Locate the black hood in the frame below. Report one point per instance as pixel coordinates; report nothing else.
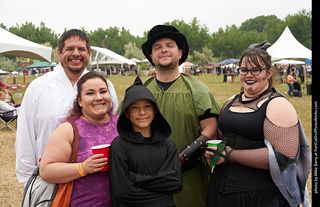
(160, 128)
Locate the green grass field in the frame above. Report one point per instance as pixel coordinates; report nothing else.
(11, 191)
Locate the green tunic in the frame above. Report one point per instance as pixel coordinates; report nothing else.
(182, 104)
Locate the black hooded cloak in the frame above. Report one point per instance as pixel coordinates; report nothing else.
(143, 171)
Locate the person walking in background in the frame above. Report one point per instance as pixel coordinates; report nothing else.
(301, 74)
(290, 82)
(218, 70)
(225, 74)
(144, 163)
(92, 115)
(284, 77)
(187, 104)
(48, 99)
(267, 159)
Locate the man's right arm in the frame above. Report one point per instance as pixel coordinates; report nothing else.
(26, 138)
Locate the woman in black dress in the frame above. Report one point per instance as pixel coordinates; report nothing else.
(267, 159)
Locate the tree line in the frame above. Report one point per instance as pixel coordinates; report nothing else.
(204, 46)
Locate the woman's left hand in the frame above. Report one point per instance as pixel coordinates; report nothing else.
(209, 154)
(94, 164)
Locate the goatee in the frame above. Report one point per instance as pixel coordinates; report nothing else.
(167, 67)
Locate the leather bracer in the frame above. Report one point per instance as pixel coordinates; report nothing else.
(193, 151)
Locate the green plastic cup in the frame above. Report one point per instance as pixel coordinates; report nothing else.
(213, 143)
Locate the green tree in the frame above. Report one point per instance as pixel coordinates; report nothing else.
(98, 37)
(3, 26)
(196, 34)
(11, 63)
(258, 23)
(35, 34)
(204, 57)
(301, 27)
(232, 41)
(112, 38)
(132, 51)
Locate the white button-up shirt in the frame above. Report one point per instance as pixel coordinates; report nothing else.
(46, 103)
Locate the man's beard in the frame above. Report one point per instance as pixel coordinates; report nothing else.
(167, 67)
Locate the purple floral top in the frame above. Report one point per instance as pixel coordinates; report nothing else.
(93, 190)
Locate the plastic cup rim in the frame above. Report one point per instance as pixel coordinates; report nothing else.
(101, 146)
(214, 141)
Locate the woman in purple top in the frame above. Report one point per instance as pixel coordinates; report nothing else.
(91, 114)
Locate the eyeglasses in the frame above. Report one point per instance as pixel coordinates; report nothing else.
(254, 71)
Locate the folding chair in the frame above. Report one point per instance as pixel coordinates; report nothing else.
(7, 118)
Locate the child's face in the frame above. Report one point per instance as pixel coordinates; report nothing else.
(141, 114)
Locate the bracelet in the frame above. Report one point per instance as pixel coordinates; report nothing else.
(80, 169)
(228, 154)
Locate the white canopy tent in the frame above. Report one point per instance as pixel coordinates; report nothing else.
(292, 62)
(11, 44)
(136, 60)
(104, 56)
(287, 47)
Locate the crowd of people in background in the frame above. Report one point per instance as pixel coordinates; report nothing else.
(297, 72)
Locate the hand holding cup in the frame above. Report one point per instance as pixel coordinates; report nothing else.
(94, 164)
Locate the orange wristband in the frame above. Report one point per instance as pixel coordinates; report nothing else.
(80, 169)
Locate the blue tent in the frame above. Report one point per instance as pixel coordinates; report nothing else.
(228, 61)
(308, 60)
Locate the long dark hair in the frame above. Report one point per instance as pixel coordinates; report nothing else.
(76, 111)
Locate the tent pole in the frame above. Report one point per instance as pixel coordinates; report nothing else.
(305, 79)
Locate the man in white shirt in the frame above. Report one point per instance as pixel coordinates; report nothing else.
(48, 100)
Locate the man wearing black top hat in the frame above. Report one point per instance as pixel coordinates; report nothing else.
(187, 104)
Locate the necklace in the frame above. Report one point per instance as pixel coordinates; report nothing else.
(251, 97)
(105, 128)
(258, 96)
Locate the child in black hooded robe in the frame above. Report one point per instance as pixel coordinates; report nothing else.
(144, 170)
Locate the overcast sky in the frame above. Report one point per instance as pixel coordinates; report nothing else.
(141, 15)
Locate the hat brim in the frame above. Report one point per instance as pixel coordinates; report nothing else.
(179, 38)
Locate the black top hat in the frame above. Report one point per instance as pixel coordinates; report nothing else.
(165, 31)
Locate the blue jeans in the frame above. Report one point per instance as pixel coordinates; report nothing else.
(290, 89)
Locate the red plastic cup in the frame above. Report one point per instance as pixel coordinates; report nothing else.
(102, 149)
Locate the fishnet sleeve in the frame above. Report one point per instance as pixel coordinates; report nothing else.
(285, 140)
(256, 158)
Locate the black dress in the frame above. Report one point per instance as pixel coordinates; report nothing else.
(242, 124)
